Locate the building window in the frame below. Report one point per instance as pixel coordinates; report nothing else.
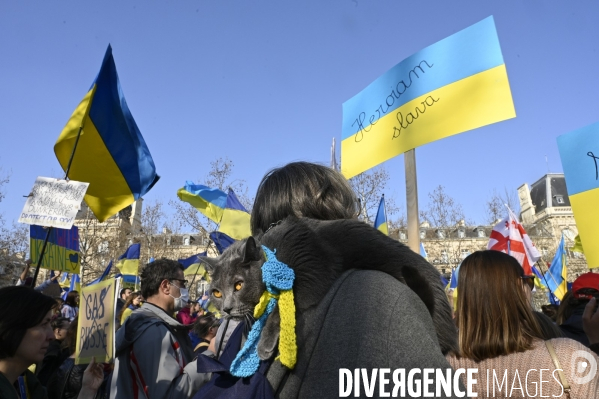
(481, 233)
(461, 233)
(186, 240)
(440, 234)
(544, 251)
(465, 253)
(444, 257)
(103, 247)
(402, 235)
(422, 234)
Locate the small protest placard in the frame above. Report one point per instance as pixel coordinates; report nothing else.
(62, 249)
(95, 335)
(53, 202)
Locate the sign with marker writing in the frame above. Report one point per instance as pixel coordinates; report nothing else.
(452, 86)
(579, 152)
(95, 337)
(53, 202)
(62, 250)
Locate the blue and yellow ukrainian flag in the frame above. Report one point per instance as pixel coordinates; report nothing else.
(74, 284)
(457, 84)
(380, 222)
(62, 250)
(210, 201)
(579, 152)
(193, 265)
(556, 276)
(111, 153)
(128, 263)
(236, 220)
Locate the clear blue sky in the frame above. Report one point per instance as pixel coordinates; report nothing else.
(262, 83)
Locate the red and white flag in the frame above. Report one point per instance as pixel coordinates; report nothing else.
(510, 237)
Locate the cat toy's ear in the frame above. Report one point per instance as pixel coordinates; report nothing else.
(206, 261)
(269, 338)
(252, 251)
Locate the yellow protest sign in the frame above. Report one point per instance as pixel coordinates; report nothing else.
(457, 84)
(95, 335)
(578, 151)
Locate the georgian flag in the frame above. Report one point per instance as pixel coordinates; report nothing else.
(510, 237)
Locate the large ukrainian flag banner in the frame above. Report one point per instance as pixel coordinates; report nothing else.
(579, 152)
(452, 86)
(62, 250)
(111, 154)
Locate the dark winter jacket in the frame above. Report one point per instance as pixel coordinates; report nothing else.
(572, 328)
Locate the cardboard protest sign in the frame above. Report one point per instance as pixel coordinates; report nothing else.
(96, 323)
(53, 202)
(579, 152)
(457, 84)
(62, 250)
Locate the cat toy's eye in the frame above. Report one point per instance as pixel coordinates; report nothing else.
(238, 285)
(216, 293)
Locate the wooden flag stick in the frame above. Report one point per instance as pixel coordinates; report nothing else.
(412, 200)
(66, 175)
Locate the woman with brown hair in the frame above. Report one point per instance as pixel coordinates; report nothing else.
(133, 302)
(500, 336)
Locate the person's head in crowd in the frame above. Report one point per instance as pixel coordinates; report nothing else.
(585, 287)
(25, 330)
(163, 284)
(70, 340)
(494, 314)
(206, 326)
(72, 299)
(197, 309)
(60, 326)
(302, 189)
(550, 310)
(133, 301)
(125, 292)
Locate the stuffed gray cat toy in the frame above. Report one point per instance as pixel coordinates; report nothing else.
(319, 252)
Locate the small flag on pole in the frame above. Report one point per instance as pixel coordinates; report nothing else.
(380, 222)
(510, 237)
(128, 263)
(556, 276)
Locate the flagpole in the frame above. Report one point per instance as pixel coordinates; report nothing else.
(412, 200)
(43, 251)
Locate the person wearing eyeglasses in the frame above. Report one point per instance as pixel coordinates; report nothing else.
(154, 356)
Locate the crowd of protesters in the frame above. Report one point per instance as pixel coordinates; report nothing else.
(164, 339)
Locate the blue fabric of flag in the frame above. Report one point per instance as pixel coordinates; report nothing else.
(131, 279)
(221, 240)
(423, 251)
(104, 275)
(454, 278)
(192, 260)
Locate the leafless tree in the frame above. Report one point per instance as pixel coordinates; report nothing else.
(495, 205)
(369, 188)
(447, 219)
